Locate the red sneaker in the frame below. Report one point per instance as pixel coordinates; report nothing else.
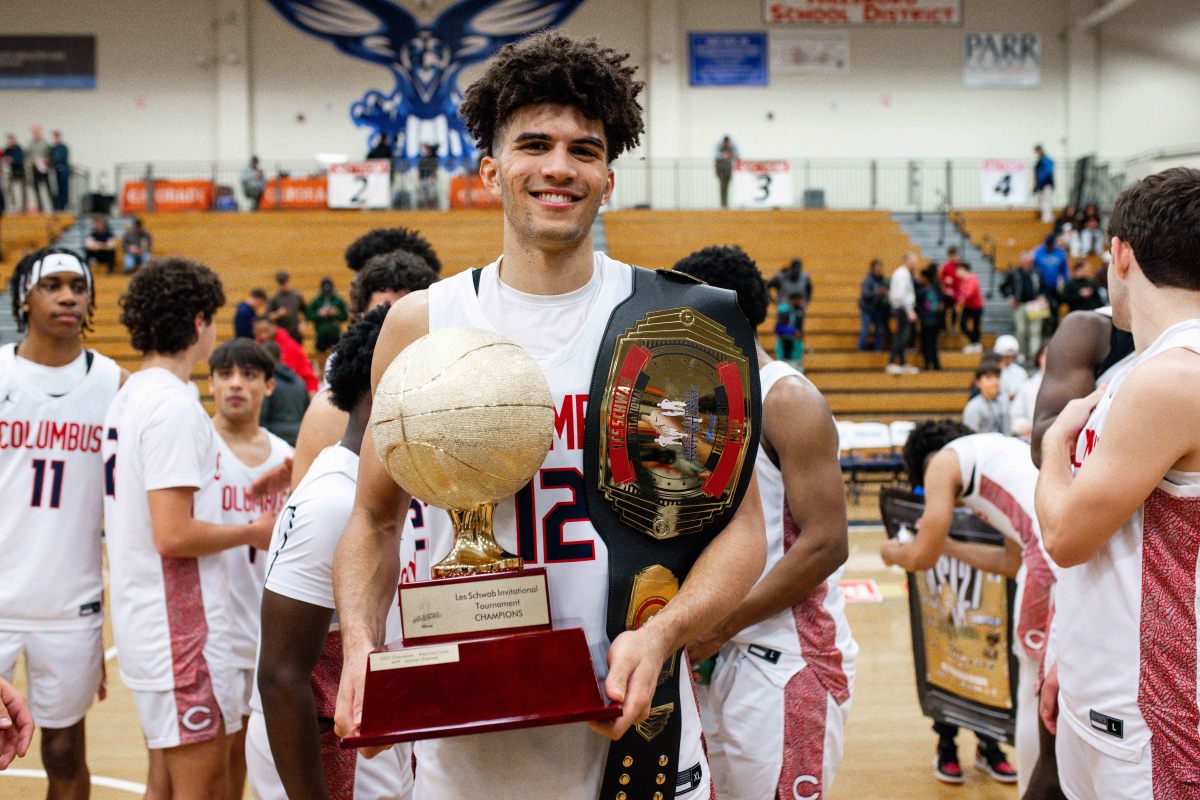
(995, 764)
(946, 767)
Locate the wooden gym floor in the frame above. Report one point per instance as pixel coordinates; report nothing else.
(888, 747)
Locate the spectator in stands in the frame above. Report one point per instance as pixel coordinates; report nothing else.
(1089, 240)
(327, 312)
(727, 156)
(789, 321)
(427, 176)
(902, 299)
(247, 311)
(1023, 288)
(387, 277)
(286, 308)
(291, 354)
(37, 154)
(101, 245)
(284, 408)
(929, 314)
(872, 306)
(1051, 263)
(969, 300)
(60, 164)
(253, 182)
(948, 278)
(987, 411)
(1082, 293)
(1043, 183)
(1012, 374)
(1069, 216)
(382, 148)
(136, 243)
(1020, 414)
(14, 157)
(793, 283)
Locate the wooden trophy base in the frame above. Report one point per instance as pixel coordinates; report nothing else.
(479, 685)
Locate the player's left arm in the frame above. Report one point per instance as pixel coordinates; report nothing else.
(720, 578)
(1151, 428)
(943, 483)
(805, 442)
(1004, 560)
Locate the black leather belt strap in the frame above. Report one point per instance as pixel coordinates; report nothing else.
(645, 571)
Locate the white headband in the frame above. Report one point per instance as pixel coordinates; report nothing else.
(50, 264)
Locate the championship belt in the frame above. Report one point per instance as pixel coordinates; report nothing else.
(672, 432)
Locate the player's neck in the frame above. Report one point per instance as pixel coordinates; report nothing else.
(244, 431)
(764, 358)
(356, 429)
(1153, 312)
(48, 351)
(178, 364)
(536, 270)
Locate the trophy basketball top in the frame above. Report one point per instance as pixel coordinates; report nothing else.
(462, 417)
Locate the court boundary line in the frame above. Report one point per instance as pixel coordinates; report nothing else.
(97, 780)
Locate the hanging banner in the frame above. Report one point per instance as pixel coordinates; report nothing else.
(168, 196)
(468, 191)
(763, 184)
(863, 12)
(727, 59)
(47, 62)
(295, 193)
(1004, 182)
(362, 184)
(962, 630)
(805, 52)
(1002, 60)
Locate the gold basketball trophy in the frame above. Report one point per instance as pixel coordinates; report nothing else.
(462, 419)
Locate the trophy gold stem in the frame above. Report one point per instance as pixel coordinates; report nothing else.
(475, 551)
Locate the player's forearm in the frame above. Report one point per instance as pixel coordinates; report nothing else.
(1050, 500)
(193, 538)
(366, 569)
(293, 731)
(987, 557)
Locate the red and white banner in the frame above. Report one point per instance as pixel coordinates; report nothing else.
(763, 184)
(294, 193)
(1004, 182)
(363, 184)
(863, 12)
(168, 196)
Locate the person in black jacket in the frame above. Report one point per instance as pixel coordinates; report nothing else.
(1082, 293)
(1023, 288)
(929, 314)
(285, 407)
(872, 300)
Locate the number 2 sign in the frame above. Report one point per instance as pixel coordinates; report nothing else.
(363, 184)
(1004, 182)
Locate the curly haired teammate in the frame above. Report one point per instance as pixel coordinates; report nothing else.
(780, 691)
(1118, 497)
(551, 114)
(53, 395)
(168, 579)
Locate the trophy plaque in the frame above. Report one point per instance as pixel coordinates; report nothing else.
(462, 419)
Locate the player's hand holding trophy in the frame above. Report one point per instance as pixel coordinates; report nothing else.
(462, 419)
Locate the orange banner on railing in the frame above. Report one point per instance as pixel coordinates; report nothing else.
(468, 191)
(295, 193)
(168, 196)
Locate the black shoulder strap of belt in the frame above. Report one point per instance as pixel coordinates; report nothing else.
(644, 764)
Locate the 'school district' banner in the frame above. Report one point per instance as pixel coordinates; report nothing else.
(863, 12)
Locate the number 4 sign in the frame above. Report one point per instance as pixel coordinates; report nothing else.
(1004, 182)
(364, 184)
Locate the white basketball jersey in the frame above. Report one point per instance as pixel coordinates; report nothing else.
(51, 490)
(1125, 624)
(170, 614)
(227, 496)
(999, 479)
(547, 524)
(814, 632)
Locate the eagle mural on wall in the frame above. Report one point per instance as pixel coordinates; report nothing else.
(425, 60)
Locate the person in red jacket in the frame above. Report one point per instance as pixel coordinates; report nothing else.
(290, 353)
(969, 300)
(948, 278)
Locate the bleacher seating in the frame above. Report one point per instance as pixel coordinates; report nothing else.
(21, 233)
(1002, 235)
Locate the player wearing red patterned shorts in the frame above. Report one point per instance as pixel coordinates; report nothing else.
(53, 395)
(780, 691)
(240, 380)
(168, 578)
(1118, 498)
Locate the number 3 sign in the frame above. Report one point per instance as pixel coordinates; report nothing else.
(359, 185)
(763, 184)
(1004, 182)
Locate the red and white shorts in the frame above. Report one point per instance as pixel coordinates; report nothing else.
(767, 741)
(64, 668)
(196, 712)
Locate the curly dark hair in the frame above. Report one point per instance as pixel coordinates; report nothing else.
(350, 365)
(1159, 217)
(16, 285)
(551, 68)
(389, 272)
(387, 240)
(162, 300)
(925, 440)
(730, 268)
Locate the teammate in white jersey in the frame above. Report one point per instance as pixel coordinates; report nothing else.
(551, 114)
(53, 395)
(291, 746)
(240, 379)
(168, 579)
(780, 690)
(1118, 498)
